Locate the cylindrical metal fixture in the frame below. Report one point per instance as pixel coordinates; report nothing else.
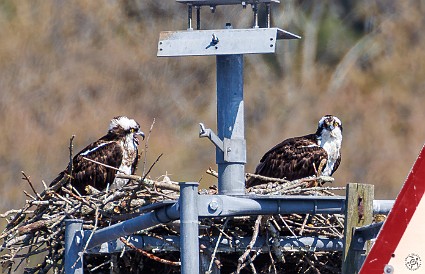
(189, 235)
(162, 215)
(73, 246)
(230, 125)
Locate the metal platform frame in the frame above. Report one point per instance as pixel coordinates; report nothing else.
(229, 46)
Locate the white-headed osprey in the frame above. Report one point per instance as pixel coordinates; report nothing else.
(118, 149)
(300, 157)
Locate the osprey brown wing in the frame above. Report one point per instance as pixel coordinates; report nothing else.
(98, 163)
(89, 173)
(292, 159)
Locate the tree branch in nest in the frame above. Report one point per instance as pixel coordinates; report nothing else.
(149, 255)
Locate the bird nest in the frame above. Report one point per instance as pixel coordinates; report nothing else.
(33, 238)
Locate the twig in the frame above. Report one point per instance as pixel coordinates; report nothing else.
(286, 225)
(27, 178)
(170, 186)
(304, 223)
(212, 172)
(266, 179)
(102, 164)
(150, 168)
(272, 263)
(96, 216)
(71, 146)
(149, 255)
(251, 264)
(275, 242)
(256, 229)
(99, 266)
(36, 226)
(15, 211)
(216, 246)
(146, 148)
(311, 264)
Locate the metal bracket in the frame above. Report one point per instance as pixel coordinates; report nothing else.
(234, 150)
(207, 132)
(362, 234)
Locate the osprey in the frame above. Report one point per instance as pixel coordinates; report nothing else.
(300, 157)
(115, 153)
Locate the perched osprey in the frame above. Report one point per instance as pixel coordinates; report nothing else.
(300, 157)
(117, 149)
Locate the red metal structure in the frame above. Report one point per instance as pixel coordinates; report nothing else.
(399, 247)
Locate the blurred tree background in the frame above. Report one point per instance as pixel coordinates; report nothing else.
(68, 67)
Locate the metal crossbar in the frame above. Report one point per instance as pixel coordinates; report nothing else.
(170, 243)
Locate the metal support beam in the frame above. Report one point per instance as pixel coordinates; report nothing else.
(189, 240)
(158, 216)
(223, 205)
(230, 125)
(220, 205)
(382, 206)
(73, 246)
(171, 243)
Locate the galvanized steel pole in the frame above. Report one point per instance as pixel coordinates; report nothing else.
(73, 246)
(230, 125)
(189, 235)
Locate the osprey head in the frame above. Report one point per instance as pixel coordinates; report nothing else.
(121, 126)
(330, 124)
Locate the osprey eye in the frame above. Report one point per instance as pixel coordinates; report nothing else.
(132, 130)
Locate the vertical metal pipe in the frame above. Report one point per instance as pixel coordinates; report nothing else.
(230, 124)
(73, 246)
(189, 235)
(255, 10)
(198, 17)
(268, 10)
(189, 17)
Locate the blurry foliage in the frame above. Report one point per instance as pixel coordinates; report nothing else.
(68, 67)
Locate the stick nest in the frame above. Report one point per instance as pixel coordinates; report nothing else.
(33, 238)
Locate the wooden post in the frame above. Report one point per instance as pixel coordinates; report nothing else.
(358, 212)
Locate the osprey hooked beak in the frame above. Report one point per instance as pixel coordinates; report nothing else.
(332, 126)
(140, 133)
